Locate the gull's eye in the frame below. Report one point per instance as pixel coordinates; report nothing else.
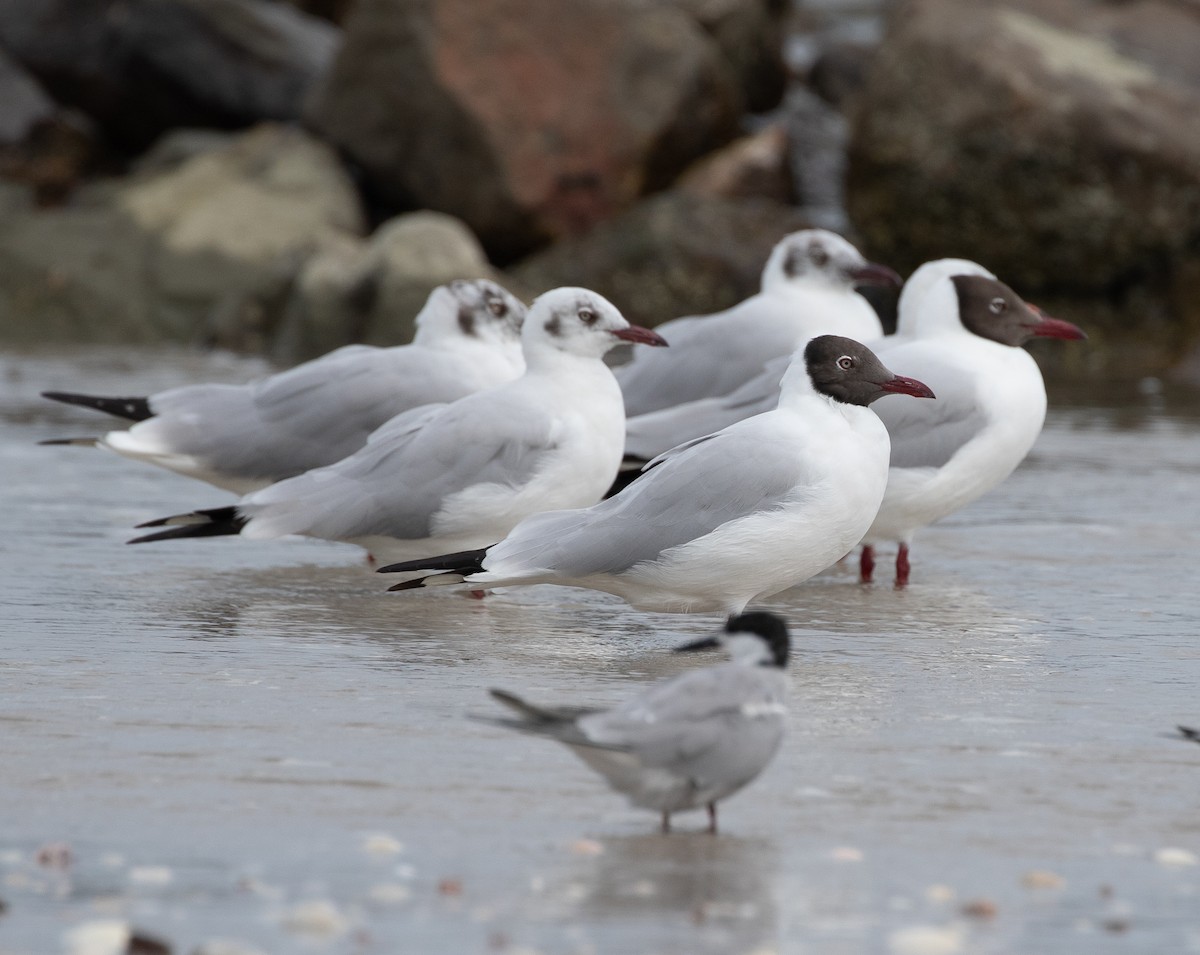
(845, 362)
(497, 307)
(818, 256)
(588, 316)
(997, 306)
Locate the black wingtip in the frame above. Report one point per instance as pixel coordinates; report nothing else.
(463, 562)
(408, 584)
(132, 409)
(214, 522)
(1189, 733)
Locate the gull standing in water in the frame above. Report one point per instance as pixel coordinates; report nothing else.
(961, 331)
(747, 512)
(807, 290)
(243, 437)
(462, 474)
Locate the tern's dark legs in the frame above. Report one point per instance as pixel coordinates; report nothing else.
(712, 818)
(902, 566)
(666, 822)
(866, 564)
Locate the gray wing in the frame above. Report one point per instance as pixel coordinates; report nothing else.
(681, 719)
(395, 484)
(649, 435)
(310, 416)
(718, 479)
(927, 434)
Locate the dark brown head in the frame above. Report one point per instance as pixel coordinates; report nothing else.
(849, 372)
(992, 310)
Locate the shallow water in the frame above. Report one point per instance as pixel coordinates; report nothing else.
(253, 741)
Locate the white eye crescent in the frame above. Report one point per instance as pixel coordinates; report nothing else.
(997, 306)
(497, 307)
(588, 316)
(845, 362)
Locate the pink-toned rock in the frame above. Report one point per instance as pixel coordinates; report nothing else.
(528, 119)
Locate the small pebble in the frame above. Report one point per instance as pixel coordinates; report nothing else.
(1041, 879)
(940, 893)
(1116, 926)
(390, 893)
(926, 940)
(846, 854)
(227, 946)
(314, 917)
(587, 847)
(54, 855)
(450, 887)
(1173, 856)
(381, 844)
(151, 875)
(979, 909)
(142, 944)
(99, 937)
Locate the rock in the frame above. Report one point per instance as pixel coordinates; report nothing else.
(146, 260)
(23, 102)
(1056, 143)
(840, 71)
(672, 254)
(753, 166)
(527, 119)
(139, 67)
(371, 291)
(749, 35)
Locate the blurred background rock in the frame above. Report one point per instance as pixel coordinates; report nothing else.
(285, 177)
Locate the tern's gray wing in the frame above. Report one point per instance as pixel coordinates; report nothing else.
(681, 719)
(719, 479)
(398, 482)
(927, 434)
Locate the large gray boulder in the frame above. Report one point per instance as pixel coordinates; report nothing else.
(141, 67)
(528, 119)
(673, 254)
(147, 259)
(1056, 142)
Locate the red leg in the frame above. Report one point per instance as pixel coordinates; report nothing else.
(712, 818)
(903, 567)
(866, 564)
(476, 594)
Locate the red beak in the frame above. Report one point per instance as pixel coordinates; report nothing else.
(900, 385)
(1048, 327)
(641, 336)
(875, 274)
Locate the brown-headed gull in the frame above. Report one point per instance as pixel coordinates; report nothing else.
(807, 290)
(691, 741)
(961, 331)
(463, 474)
(244, 437)
(743, 513)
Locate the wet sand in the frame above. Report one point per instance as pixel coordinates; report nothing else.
(254, 742)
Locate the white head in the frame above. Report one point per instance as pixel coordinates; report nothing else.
(577, 321)
(816, 257)
(929, 302)
(474, 309)
(754, 638)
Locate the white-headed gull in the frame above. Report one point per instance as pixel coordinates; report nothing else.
(462, 474)
(743, 513)
(960, 330)
(244, 437)
(688, 742)
(807, 290)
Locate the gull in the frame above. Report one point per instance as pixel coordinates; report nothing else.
(807, 290)
(244, 437)
(691, 741)
(961, 331)
(464, 473)
(743, 513)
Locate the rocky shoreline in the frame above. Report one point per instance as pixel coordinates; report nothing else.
(282, 179)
